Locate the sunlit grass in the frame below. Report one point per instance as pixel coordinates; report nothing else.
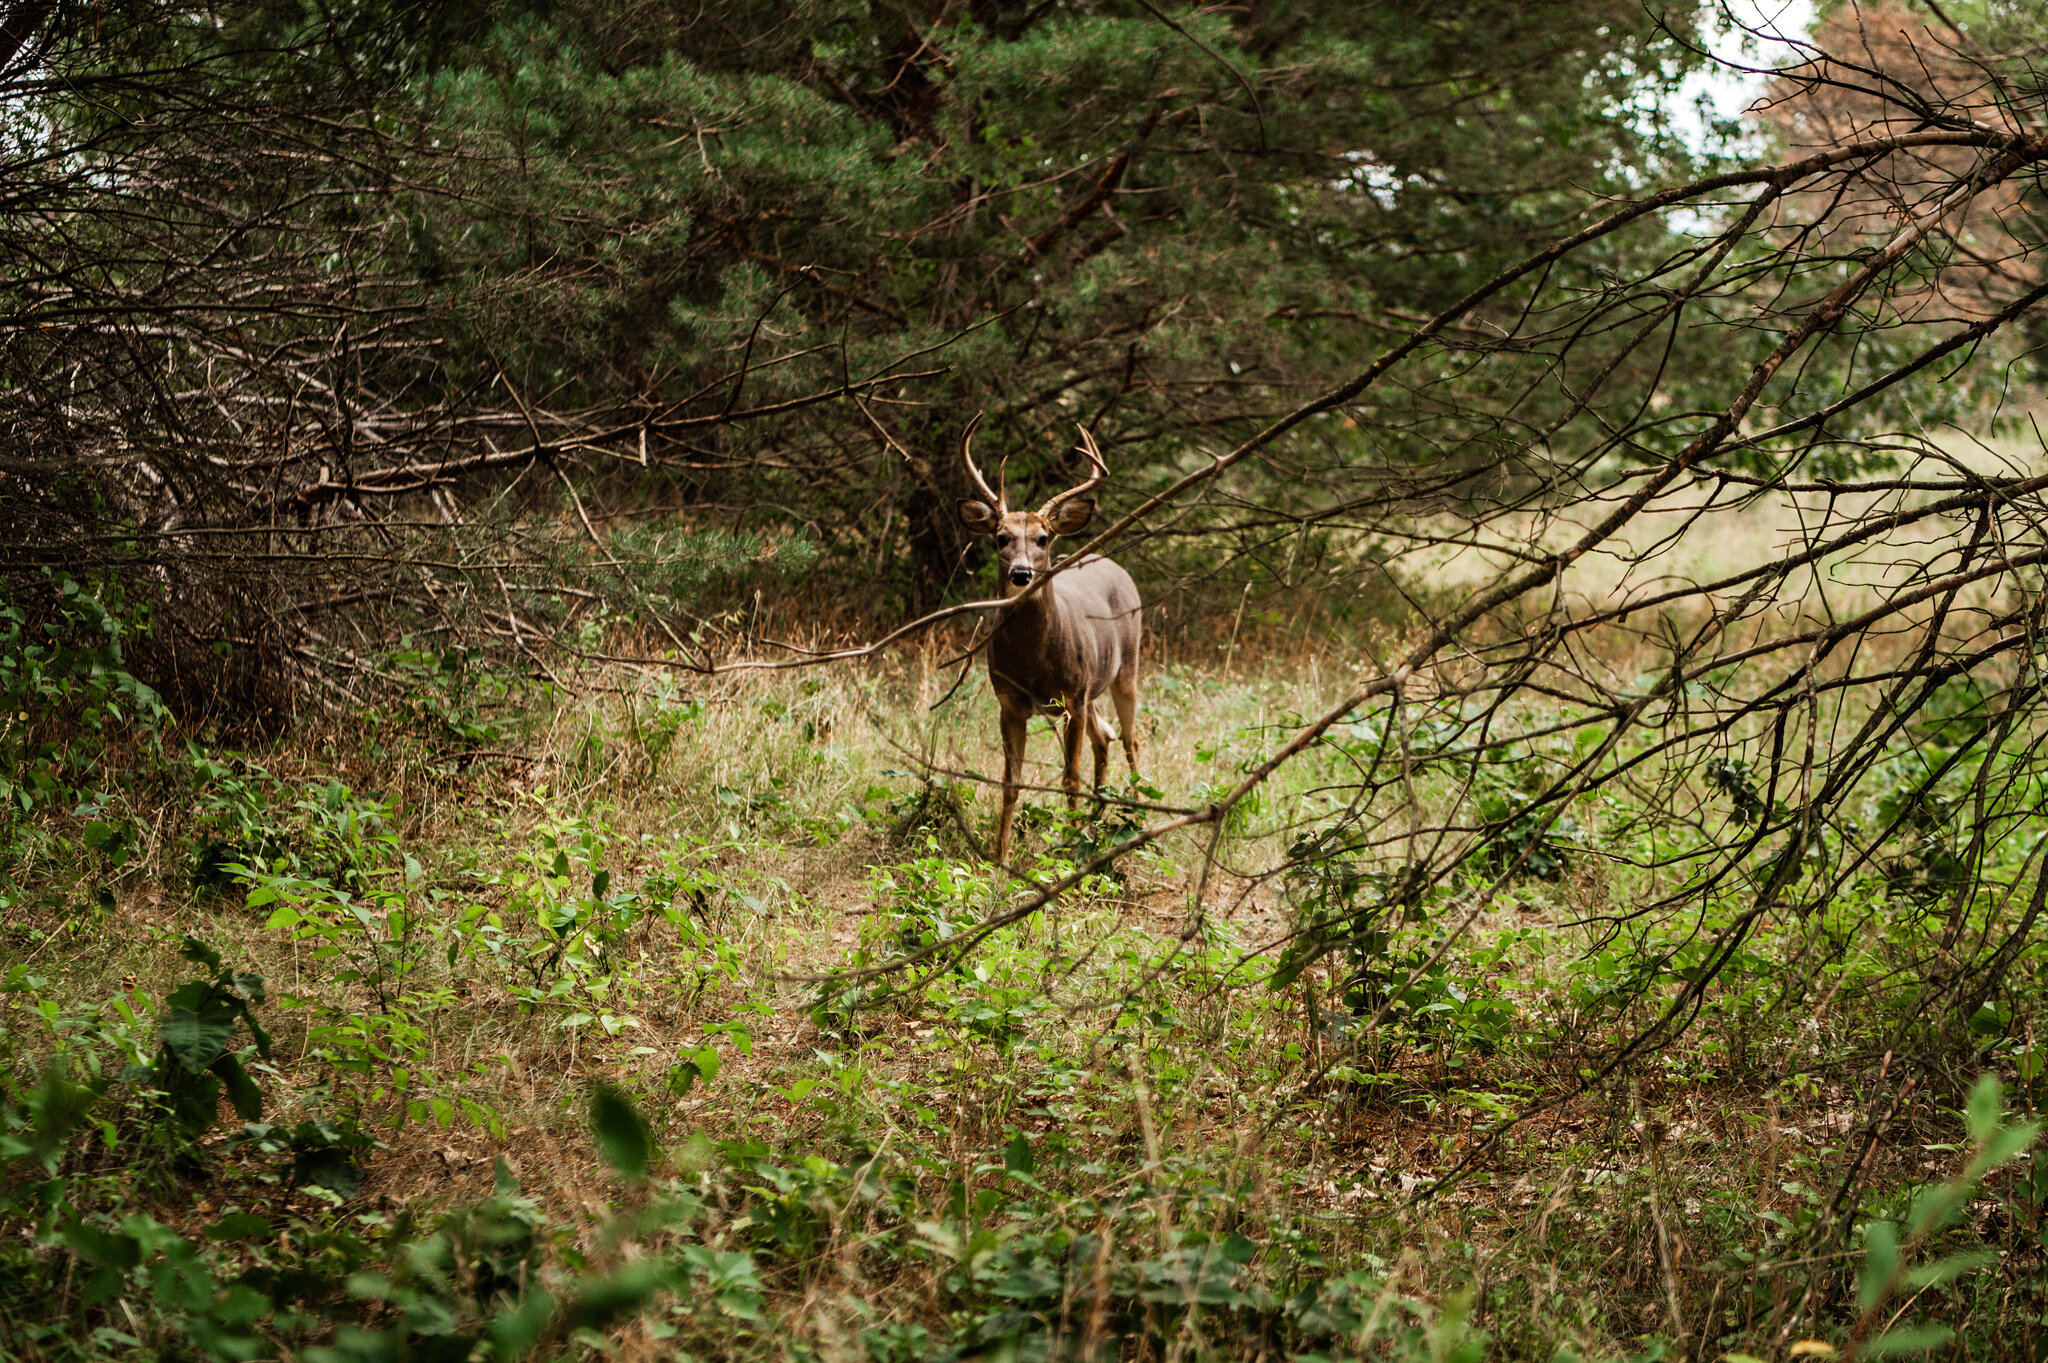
(651, 883)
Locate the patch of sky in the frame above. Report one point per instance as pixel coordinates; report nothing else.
(1707, 110)
(1710, 110)
(1748, 41)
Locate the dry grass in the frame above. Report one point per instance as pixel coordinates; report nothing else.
(1690, 538)
(1147, 1044)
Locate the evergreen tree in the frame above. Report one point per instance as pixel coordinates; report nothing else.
(1171, 227)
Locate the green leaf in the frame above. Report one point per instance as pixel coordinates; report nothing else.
(2004, 1146)
(620, 1293)
(622, 1134)
(261, 1037)
(1933, 1206)
(1984, 1109)
(1017, 1157)
(96, 1246)
(197, 1028)
(100, 1288)
(1029, 1282)
(1880, 1259)
(329, 1167)
(240, 1307)
(196, 950)
(239, 1226)
(1954, 1266)
(109, 840)
(1289, 970)
(515, 1330)
(243, 1094)
(1913, 1339)
(195, 1101)
(740, 1303)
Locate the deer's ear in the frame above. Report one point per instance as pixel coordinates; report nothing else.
(1069, 517)
(979, 517)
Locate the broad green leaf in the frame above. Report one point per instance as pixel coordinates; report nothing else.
(2005, 1146)
(1934, 1205)
(195, 1037)
(1954, 1266)
(196, 1101)
(97, 1246)
(1017, 1156)
(239, 1226)
(622, 1134)
(328, 1167)
(1984, 1108)
(1880, 1259)
(740, 1303)
(1911, 1339)
(617, 1294)
(243, 1095)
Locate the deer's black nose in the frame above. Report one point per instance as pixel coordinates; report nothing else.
(1020, 577)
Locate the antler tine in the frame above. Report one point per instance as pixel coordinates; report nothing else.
(1093, 451)
(967, 458)
(1099, 470)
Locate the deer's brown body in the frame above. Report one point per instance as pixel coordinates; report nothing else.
(1058, 648)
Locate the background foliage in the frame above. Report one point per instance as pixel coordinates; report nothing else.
(1583, 898)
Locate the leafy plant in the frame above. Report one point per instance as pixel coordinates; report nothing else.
(1892, 1266)
(195, 1065)
(73, 718)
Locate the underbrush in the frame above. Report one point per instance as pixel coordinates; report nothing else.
(502, 1023)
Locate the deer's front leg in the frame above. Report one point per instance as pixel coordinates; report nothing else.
(1014, 728)
(1080, 718)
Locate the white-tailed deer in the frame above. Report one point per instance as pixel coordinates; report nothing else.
(1064, 644)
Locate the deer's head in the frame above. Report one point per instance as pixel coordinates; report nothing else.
(1024, 538)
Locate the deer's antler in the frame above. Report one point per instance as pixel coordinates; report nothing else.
(1100, 469)
(995, 499)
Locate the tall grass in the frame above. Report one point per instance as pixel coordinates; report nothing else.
(1145, 1122)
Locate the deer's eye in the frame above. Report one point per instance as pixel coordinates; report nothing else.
(1044, 538)
(1002, 541)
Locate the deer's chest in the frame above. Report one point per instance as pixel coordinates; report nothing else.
(1039, 672)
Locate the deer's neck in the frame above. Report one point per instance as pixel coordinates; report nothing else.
(1034, 619)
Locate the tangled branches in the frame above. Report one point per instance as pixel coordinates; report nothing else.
(1816, 728)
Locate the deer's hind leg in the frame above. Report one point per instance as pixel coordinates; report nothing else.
(1123, 693)
(1098, 738)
